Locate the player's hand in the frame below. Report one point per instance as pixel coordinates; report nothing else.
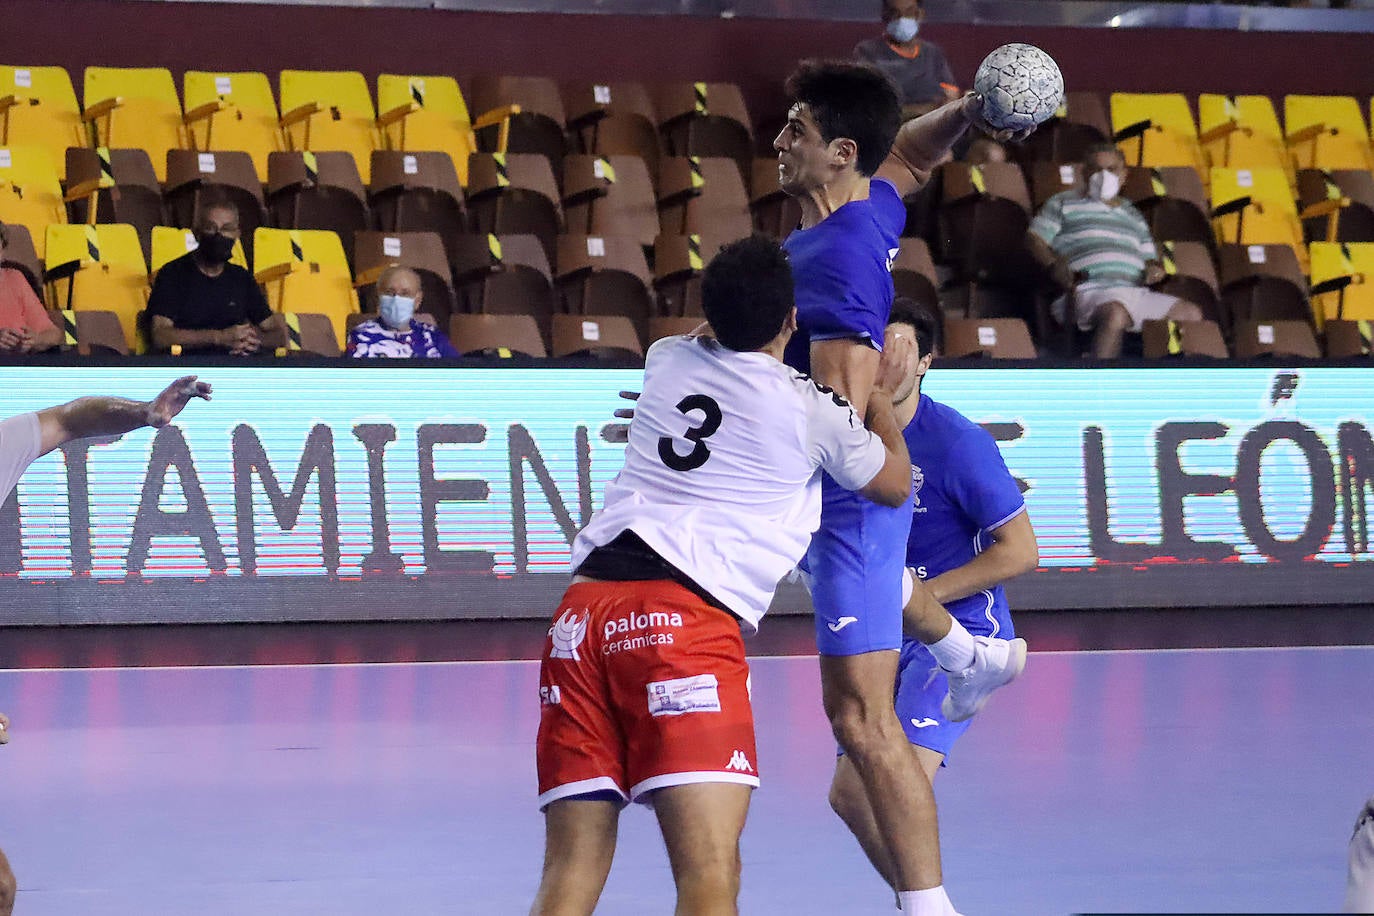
(4, 728)
(620, 432)
(627, 413)
(173, 398)
(11, 339)
(896, 364)
(973, 112)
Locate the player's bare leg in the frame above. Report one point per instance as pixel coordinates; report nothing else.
(579, 845)
(7, 886)
(857, 693)
(701, 824)
(850, 802)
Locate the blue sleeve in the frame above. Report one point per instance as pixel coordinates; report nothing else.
(888, 207)
(979, 482)
(845, 297)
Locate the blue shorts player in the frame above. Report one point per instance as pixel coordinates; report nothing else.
(969, 533)
(847, 159)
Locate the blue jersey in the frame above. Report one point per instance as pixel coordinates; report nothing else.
(962, 490)
(842, 271)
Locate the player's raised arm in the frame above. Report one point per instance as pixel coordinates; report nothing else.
(922, 143)
(109, 416)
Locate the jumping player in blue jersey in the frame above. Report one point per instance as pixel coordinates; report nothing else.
(969, 533)
(847, 159)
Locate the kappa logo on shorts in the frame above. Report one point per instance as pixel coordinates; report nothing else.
(699, 693)
(739, 762)
(567, 634)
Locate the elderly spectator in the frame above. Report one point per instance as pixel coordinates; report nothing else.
(916, 67)
(203, 303)
(1096, 244)
(395, 332)
(24, 326)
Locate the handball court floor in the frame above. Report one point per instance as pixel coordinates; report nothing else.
(1173, 762)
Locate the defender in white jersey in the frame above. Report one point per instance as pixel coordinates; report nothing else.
(644, 683)
(29, 436)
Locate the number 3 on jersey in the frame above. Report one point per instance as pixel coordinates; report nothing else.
(711, 417)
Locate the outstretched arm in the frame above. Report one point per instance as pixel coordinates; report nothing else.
(107, 416)
(922, 142)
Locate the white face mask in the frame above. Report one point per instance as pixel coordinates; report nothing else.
(1103, 185)
(397, 311)
(904, 29)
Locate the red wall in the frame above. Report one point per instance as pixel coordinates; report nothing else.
(755, 53)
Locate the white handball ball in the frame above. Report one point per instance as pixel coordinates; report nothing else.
(1021, 87)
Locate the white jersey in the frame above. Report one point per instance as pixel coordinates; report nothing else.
(720, 474)
(20, 439)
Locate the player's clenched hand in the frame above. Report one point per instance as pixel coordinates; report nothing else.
(173, 398)
(896, 363)
(973, 111)
(620, 432)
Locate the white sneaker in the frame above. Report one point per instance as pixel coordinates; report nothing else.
(996, 662)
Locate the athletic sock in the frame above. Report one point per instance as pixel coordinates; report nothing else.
(954, 652)
(930, 902)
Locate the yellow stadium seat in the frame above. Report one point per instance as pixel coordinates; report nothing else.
(1256, 207)
(1156, 129)
(135, 108)
(304, 270)
(232, 111)
(1242, 132)
(38, 108)
(99, 267)
(170, 244)
(426, 114)
(330, 110)
(1327, 132)
(1342, 281)
(30, 194)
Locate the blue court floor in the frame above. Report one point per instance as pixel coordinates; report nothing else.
(1123, 781)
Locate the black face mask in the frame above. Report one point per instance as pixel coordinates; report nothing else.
(214, 248)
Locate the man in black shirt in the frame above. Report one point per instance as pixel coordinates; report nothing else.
(203, 303)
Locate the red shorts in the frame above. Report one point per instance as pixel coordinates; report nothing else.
(643, 685)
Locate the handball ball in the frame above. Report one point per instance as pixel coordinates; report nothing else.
(1021, 87)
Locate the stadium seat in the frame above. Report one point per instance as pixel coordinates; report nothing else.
(1242, 132)
(426, 114)
(1191, 275)
(703, 196)
(309, 334)
(30, 195)
(609, 196)
(170, 243)
(417, 192)
(135, 108)
(1327, 132)
(706, 120)
(775, 212)
(660, 328)
(1165, 338)
(38, 109)
(1348, 339)
(534, 107)
(913, 274)
(305, 271)
(317, 191)
(1342, 281)
(233, 174)
(614, 119)
(497, 335)
(1173, 201)
(609, 337)
(996, 338)
(90, 331)
(503, 275)
(329, 111)
(422, 252)
(114, 186)
(1261, 283)
(1353, 189)
(515, 194)
(232, 112)
(1255, 207)
(22, 256)
(1275, 338)
(1047, 179)
(1156, 129)
(678, 263)
(98, 267)
(1067, 136)
(604, 275)
(982, 217)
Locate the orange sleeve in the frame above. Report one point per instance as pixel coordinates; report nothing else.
(35, 318)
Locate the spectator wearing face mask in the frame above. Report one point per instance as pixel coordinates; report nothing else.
(395, 332)
(202, 303)
(1096, 244)
(916, 67)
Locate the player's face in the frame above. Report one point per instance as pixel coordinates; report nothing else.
(803, 155)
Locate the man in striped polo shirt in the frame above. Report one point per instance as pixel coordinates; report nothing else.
(1095, 242)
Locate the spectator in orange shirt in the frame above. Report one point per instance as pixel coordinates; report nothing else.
(24, 326)
(916, 67)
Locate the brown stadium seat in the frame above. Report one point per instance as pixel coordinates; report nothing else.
(309, 334)
(671, 327)
(774, 212)
(422, 252)
(913, 274)
(1165, 338)
(317, 191)
(191, 174)
(1050, 178)
(613, 119)
(983, 215)
(1353, 189)
(1261, 283)
(538, 126)
(1275, 338)
(1192, 276)
(497, 335)
(611, 196)
(997, 338)
(114, 186)
(91, 331)
(1348, 339)
(20, 254)
(706, 120)
(417, 192)
(515, 194)
(678, 263)
(1173, 202)
(605, 275)
(610, 337)
(1066, 137)
(503, 275)
(704, 196)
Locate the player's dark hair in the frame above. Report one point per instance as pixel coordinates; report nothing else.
(746, 292)
(850, 100)
(924, 321)
(1102, 147)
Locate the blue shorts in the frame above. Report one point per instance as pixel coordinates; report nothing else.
(854, 567)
